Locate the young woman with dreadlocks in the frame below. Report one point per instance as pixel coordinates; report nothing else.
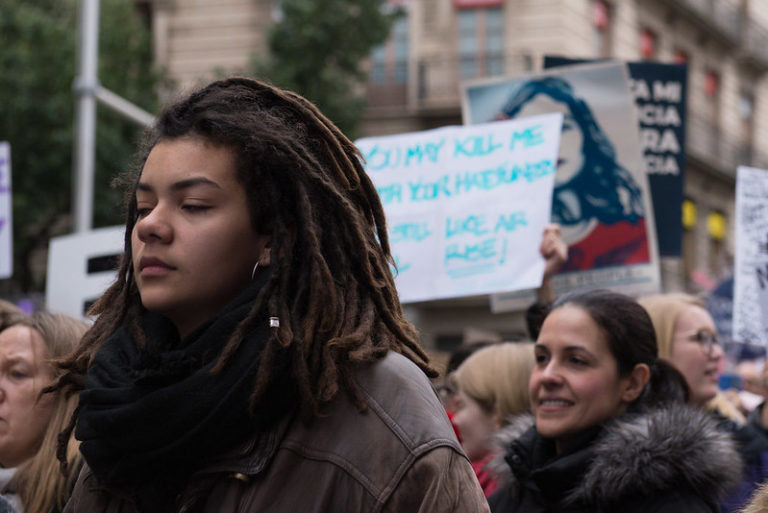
(252, 354)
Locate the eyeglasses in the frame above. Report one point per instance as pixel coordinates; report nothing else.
(706, 339)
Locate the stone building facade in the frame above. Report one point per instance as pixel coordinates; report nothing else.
(435, 44)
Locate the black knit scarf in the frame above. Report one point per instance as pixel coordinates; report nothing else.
(149, 416)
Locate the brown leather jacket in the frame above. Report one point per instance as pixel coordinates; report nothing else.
(401, 456)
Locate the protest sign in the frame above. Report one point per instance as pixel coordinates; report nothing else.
(466, 206)
(80, 268)
(6, 224)
(750, 294)
(601, 195)
(660, 96)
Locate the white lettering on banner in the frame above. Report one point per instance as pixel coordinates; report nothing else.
(661, 164)
(651, 114)
(466, 206)
(659, 142)
(669, 91)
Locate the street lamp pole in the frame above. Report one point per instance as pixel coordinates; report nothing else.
(85, 86)
(88, 92)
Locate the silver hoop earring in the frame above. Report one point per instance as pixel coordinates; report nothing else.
(253, 274)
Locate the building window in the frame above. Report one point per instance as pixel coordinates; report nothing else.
(717, 229)
(711, 84)
(746, 105)
(680, 57)
(389, 61)
(378, 73)
(601, 25)
(711, 107)
(468, 43)
(648, 44)
(747, 115)
(690, 214)
(480, 42)
(400, 48)
(494, 42)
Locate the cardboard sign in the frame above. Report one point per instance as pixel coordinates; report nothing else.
(750, 290)
(466, 206)
(660, 92)
(601, 195)
(75, 276)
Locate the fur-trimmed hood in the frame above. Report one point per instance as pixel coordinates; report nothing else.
(657, 451)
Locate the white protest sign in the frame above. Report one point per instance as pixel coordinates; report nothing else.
(72, 281)
(6, 224)
(750, 288)
(466, 206)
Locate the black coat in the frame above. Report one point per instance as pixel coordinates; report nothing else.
(671, 460)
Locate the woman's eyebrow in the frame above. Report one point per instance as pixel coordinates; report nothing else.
(182, 184)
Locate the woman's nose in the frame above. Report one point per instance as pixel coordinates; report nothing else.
(551, 375)
(154, 226)
(717, 352)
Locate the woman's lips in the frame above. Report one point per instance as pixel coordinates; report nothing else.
(150, 266)
(552, 404)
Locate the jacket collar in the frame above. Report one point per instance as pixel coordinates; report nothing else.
(658, 450)
(251, 456)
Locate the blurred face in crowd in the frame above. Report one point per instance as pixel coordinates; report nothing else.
(696, 353)
(475, 425)
(24, 372)
(575, 384)
(193, 245)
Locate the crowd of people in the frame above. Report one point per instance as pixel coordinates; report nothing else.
(252, 355)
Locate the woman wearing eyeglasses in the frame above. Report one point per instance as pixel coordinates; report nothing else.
(687, 337)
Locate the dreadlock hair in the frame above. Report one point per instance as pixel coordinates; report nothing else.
(330, 282)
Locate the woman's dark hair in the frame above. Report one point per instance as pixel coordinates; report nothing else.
(330, 281)
(667, 386)
(626, 325)
(601, 178)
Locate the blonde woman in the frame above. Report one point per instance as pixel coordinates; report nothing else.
(687, 337)
(8, 312)
(30, 424)
(492, 388)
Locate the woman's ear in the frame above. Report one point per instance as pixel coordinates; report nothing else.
(635, 382)
(265, 250)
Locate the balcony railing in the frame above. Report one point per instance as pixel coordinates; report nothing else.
(439, 79)
(717, 15)
(717, 147)
(387, 85)
(729, 23)
(755, 43)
